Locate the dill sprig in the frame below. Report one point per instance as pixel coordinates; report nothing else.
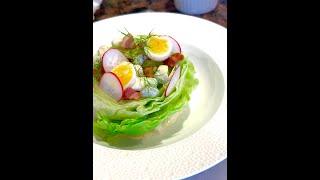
(141, 40)
(125, 34)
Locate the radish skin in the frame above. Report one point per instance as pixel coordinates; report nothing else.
(176, 48)
(173, 81)
(111, 85)
(111, 58)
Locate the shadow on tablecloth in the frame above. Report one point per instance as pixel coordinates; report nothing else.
(217, 172)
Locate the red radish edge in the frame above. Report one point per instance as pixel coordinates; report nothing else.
(175, 41)
(119, 82)
(122, 90)
(103, 57)
(166, 92)
(106, 53)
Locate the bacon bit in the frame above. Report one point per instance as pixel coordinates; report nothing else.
(169, 63)
(149, 71)
(173, 59)
(130, 94)
(177, 57)
(127, 42)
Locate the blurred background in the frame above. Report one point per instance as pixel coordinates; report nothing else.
(212, 10)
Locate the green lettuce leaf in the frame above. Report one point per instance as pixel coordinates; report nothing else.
(142, 116)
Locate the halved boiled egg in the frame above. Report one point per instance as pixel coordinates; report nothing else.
(126, 73)
(158, 48)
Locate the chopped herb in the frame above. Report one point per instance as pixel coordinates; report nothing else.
(139, 60)
(132, 53)
(125, 34)
(151, 63)
(97, 67)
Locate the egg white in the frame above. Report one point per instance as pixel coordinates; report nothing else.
(138, 85)
(163, 56)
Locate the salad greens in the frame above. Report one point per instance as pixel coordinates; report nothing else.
(139, 117)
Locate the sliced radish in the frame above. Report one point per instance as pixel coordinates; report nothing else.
(173, 81)
(175, 45)
(111, 85)
(112, 58)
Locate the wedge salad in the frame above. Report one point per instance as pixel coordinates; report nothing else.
(139, 81)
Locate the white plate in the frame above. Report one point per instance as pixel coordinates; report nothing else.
(198, 140)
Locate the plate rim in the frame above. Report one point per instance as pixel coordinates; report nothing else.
(223, 71)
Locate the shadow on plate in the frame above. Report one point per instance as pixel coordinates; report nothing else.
(155, 138)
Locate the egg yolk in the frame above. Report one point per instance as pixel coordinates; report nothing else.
(124, 73)
(157, 45)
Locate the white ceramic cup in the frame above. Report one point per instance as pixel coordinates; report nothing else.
(194, 7)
